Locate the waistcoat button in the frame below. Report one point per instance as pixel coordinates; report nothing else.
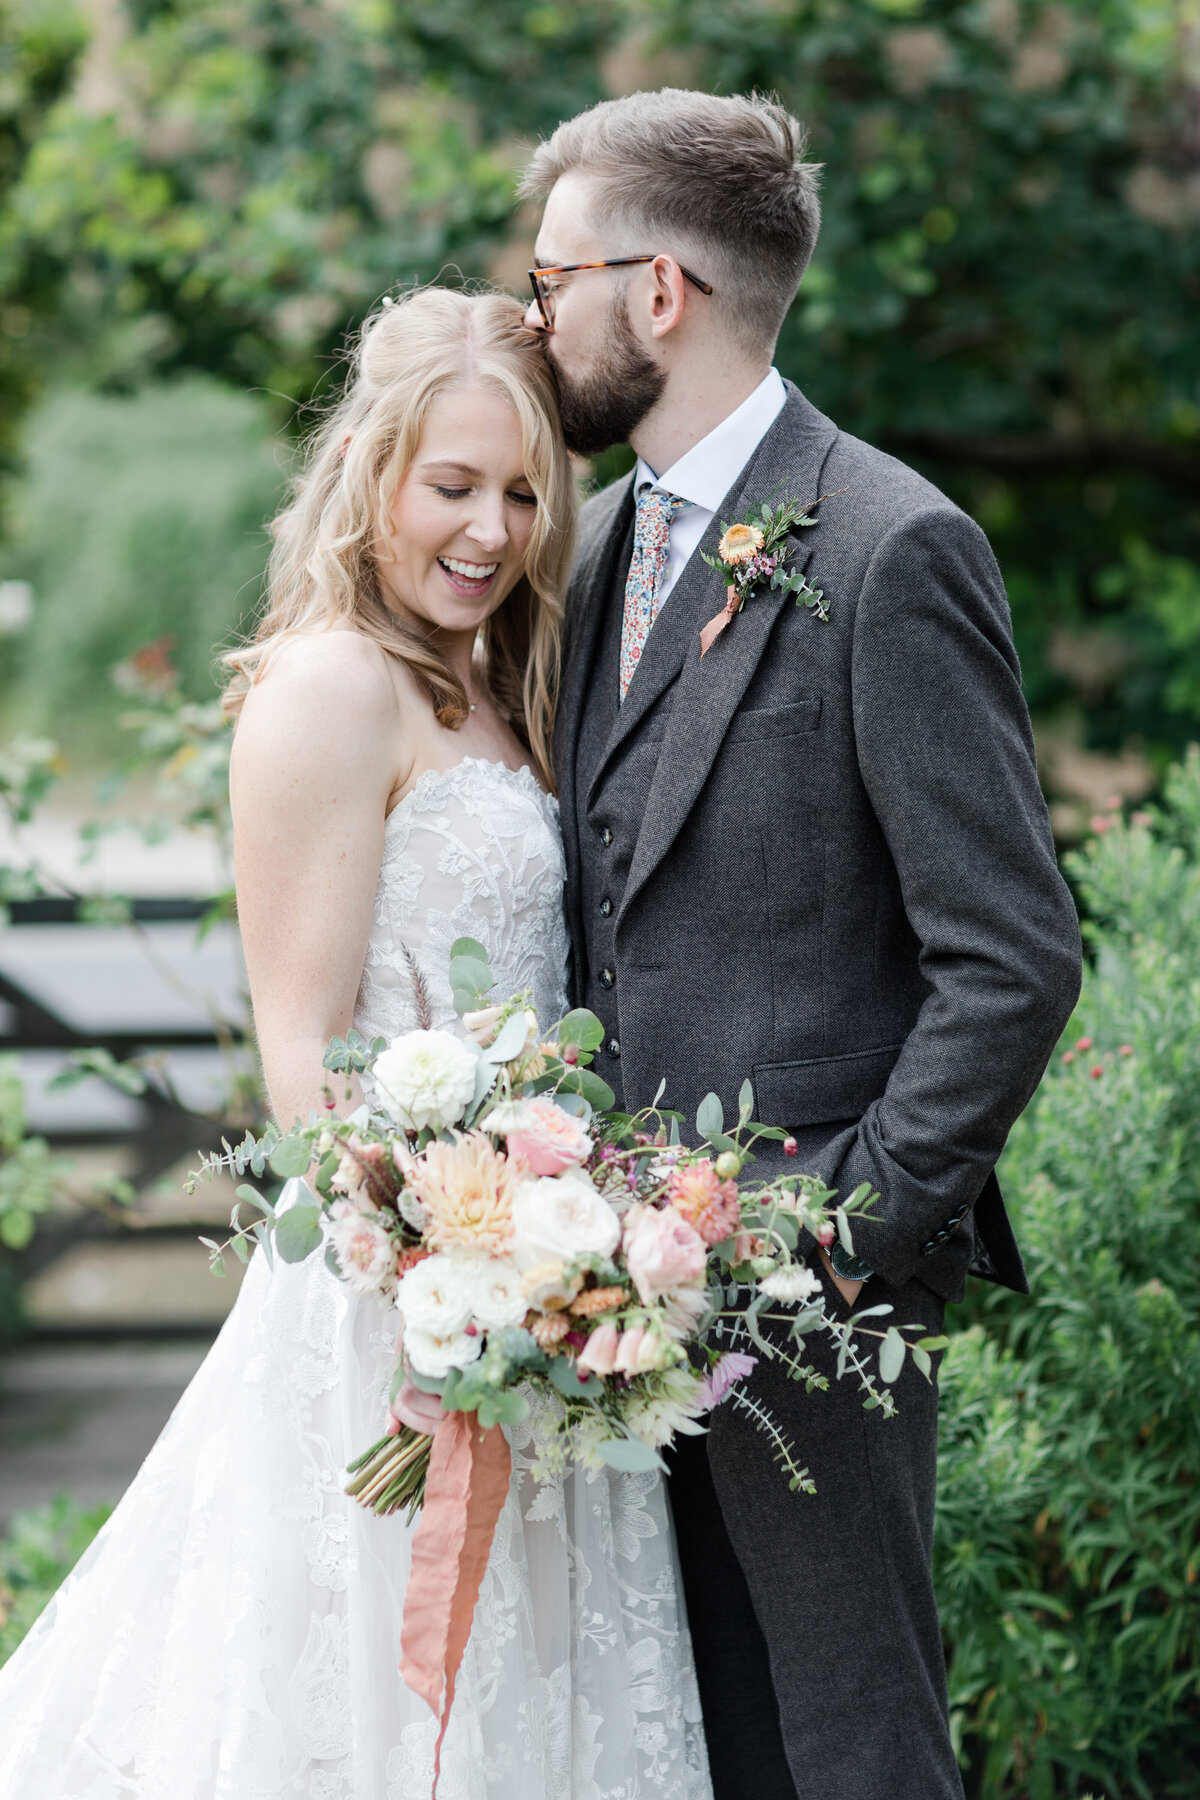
(613, 1048)
(605, 908)
(606, 837)
(607, 978)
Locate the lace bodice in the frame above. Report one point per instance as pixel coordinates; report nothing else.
(472, 851)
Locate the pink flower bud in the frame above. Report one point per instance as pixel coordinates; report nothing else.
(1083, 1043)
(790, 1147)
(625, 1360)
(570, 1054)
(600, 1353)
(826, 1233)
(1096, 1072)
(1125, 1050)
(1068, 1056)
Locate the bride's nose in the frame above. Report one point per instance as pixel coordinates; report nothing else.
(487, 526)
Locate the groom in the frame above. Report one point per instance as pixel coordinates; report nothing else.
(817, 856)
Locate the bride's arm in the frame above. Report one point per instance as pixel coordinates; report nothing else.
(314, 760)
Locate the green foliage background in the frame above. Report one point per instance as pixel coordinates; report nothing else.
(1004, 291)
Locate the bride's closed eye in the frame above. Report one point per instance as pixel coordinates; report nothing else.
(459, 493)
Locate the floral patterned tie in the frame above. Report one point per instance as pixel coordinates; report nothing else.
(651, 540)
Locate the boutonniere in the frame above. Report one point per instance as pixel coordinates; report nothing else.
(753, 553)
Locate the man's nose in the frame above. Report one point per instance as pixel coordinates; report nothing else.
(533, 320)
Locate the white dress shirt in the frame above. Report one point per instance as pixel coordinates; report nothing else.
(706, 472)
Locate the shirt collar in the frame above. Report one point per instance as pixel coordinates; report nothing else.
(706, 472)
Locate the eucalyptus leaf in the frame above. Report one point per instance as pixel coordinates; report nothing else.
(509, 1040)
(710, 1118)
(745, 1102)
(629, 1455)
(290, 1157)
(562, 1374)
(468, 946)
(891, 1354)
(581, 1028)
(471, 975)
(843, 1230)
(298, 1232)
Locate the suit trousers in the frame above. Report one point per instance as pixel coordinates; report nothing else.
(813, 1617)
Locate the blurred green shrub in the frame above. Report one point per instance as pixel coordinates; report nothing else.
(1068, 1531)
(42, 1547)
(138, 516)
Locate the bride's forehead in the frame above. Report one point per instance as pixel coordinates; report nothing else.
(472, 425)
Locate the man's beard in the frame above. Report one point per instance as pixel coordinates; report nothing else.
(606, 406)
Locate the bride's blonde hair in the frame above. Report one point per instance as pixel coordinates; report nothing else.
(322, 567)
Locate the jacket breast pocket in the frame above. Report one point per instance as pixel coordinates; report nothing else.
(775, 721)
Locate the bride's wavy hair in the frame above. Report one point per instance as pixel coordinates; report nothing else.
(323, 566)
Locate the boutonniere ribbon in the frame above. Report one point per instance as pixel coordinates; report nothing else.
(753, 553)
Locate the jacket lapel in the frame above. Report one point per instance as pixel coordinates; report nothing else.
(587, 601)
(788, 463)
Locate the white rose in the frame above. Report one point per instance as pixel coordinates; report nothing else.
(791, 1284)
(497, 1296)
(426, 1078)
(365, 1256)
(434, 1356)
(435, 1296)
(561, 1217)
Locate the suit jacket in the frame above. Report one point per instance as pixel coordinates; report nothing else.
(819, 856)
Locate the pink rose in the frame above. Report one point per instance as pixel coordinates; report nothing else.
(663, 1252)
(600, 1355)
(547, 1138)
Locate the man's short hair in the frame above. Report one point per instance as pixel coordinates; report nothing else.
(719, 179)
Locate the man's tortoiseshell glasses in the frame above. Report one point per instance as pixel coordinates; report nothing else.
(545, 295)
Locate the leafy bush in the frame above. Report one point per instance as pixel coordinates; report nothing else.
(41, 1549)
(138, 517)
(1068, 1533)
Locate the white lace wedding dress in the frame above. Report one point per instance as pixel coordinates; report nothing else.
(233, 1633)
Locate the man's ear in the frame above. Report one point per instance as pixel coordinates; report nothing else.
(668, 296)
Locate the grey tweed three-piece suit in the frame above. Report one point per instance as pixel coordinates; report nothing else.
(820, 857)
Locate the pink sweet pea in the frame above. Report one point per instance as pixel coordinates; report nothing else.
(663, 1252)
(625, 1361)
(600, 1355)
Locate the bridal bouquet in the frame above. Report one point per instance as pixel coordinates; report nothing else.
(530, 1237)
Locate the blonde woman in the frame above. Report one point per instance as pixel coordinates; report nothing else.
(234, 1630)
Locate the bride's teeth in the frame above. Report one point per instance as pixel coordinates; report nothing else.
(470, 571)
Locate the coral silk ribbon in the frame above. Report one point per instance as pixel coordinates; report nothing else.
(464, 1492)
(716, 626)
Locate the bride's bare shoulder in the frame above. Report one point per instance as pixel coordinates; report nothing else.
(339, 667)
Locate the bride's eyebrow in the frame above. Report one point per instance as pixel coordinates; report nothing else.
(460, 468)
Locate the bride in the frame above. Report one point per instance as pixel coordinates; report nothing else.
(233, 1633)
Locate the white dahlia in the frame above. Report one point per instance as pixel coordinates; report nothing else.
(426, 1078)
(794, 1283)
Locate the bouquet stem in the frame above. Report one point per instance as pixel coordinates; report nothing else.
(391, 1474)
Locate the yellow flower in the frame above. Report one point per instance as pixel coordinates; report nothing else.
(466, 1187)
(739, 544)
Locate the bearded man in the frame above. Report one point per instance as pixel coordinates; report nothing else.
(816, 854)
